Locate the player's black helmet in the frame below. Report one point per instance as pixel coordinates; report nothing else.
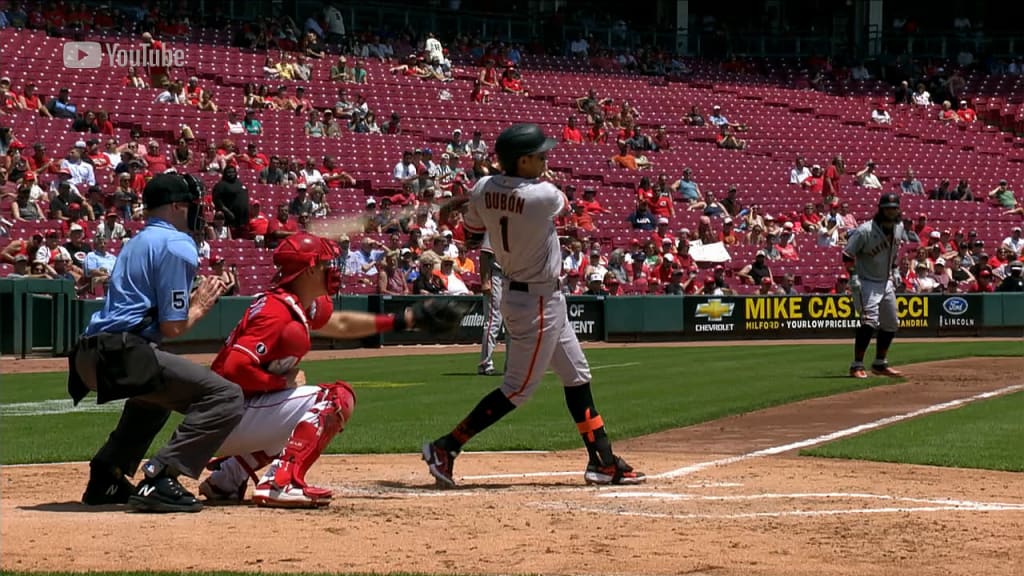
(520, 140)
(889, 200)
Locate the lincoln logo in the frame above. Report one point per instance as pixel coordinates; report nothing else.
(955, 306)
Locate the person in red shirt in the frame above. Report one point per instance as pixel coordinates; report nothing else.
(661, 206)
(728, 235)
(258, 222)
(334, 176)
(253, 159)
(983, 283)
(786, 247)
(814, 183)
(281, 228)
(287, 423)
(597, 133)
(966, 113)
(480, 95)
(662, 233)
(512, 82)
(922, 229)
(31, 101)
(833, 176)
(157, 74)
(156, 161)
(570, 133)
(580, 219)
(97, 158)
(590, 204)
(104, 124)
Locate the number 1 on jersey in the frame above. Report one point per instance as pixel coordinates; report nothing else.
(504, 233)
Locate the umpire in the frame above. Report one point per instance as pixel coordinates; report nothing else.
(150, 298)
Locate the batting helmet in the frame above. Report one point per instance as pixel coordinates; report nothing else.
(300, 252)
(889, 200)
(520, 140)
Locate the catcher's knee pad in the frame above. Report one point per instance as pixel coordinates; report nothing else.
(338, 395)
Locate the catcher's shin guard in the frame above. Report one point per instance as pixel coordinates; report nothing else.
(327, 417)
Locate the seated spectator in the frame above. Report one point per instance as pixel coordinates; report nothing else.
(1003, 196)
(800, 172)
(860, 72)
(192, 92)
(234, 126)
(921, 96)
(217, 230)
(966, 113)
(642, 219)
(22, 268)
(728, 235)
(280, 227)
(911, 185)
(99, 263)
(24, 209)
(450, 279)
(426, 282)
(133, 80)
(61, 106)
(815, 182)
(755, 272)
(786, 246)
(694, 118)
(172, 94)
(227, 275)
(728, 141)
(570, 133)
(948, 114)
(880, 115)
(786, 286)
(709, 206)
(595, 285)
(391, 279)
(206, 103)
(626, 159)
(29, 100)
(1014, 279)
(77, 246)
(688, 189)
(867, 177)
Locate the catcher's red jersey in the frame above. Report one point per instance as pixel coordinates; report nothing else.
(267, 344)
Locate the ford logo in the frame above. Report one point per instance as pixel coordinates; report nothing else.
(955, 306)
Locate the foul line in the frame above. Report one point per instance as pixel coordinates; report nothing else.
(807, 496)
(693, 468)
(979, 507)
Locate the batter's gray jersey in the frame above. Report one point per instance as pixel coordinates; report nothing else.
(519, 215)
(874, 251)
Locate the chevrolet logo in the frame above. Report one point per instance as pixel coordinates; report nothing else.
(714, 310)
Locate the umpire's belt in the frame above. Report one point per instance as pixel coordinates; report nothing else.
(543, 288)
(125, 366)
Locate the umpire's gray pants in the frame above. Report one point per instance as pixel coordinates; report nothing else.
(212, 407)
(492, 310)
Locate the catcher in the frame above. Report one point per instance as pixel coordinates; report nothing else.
(287, 423)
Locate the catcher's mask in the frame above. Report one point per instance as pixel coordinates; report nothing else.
(300, 252)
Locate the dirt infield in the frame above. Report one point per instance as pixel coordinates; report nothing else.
(729, 497)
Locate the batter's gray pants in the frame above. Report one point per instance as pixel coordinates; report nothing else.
(492, 310)
(212, 407)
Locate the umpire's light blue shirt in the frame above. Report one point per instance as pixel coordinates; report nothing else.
(154, 270)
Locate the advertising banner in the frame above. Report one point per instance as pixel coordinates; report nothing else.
(586, 316)
(825, 315)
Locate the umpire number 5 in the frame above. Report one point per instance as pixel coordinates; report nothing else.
(504, 232)
(178, 301)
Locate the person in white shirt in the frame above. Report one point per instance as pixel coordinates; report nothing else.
(881, 116)
(110, 228)
(405, 171)
(81, 172)
(1014, 242)
(477, 145)
(450, 249)
(921, 96)
(310, 174)
(454, 286)
(335, 23)
(867, 177)
(800, 172)
(435, 52)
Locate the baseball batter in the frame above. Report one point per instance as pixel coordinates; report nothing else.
(492, 285)
(518, 212)
(870, 257)
(287, 423)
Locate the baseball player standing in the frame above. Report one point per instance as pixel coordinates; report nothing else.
(286, 423)
(150, 298)
(518, 211)
(870, 257)
(492, 285)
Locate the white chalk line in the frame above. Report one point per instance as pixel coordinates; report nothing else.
(59, 406)
(804, 496)
(981, 507)
(693, 468)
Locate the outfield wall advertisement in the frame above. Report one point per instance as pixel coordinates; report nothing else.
(824, 315)
(585, 316)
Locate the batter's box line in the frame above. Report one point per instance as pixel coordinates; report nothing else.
(970, 504)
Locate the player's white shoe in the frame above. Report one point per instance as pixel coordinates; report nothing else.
(269, 495)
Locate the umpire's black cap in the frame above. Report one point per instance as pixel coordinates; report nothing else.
(521, 140)
(889, 200)
(166, 189)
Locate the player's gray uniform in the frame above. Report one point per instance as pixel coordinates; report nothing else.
(492, 310)
(519, 213)
(876, 254)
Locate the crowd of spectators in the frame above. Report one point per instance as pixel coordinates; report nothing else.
(88, 198)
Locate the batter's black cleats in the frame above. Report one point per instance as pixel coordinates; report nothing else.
(441, 464)
(617, 473)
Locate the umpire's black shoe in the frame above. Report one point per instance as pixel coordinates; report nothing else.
(163, 494)
(106, 486)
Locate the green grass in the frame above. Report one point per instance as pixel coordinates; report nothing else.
(404, 401)
(983, 435)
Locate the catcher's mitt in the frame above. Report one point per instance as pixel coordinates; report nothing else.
(439, 315)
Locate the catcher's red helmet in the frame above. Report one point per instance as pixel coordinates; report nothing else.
(300, 252)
